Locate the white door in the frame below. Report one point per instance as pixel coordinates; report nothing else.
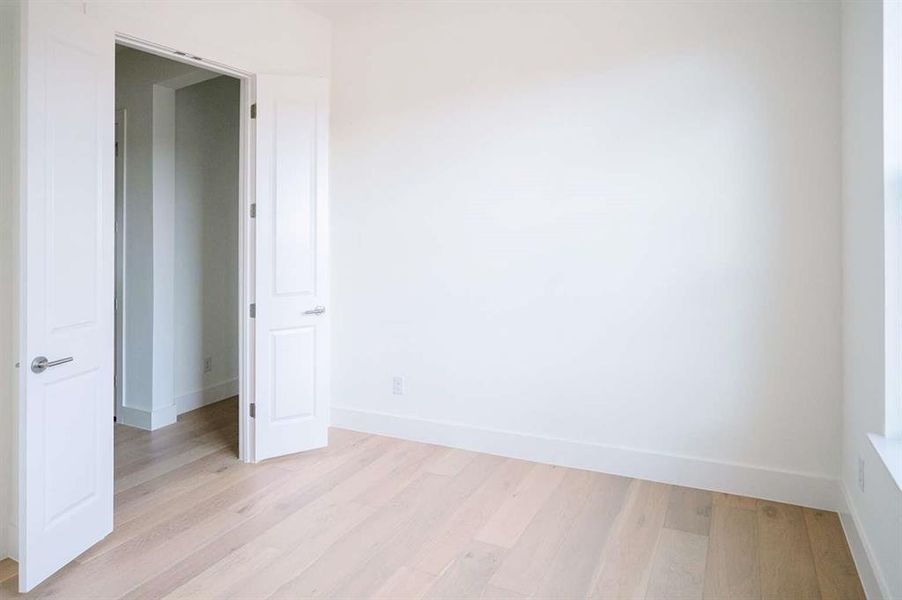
(292, 287)
(66, 404)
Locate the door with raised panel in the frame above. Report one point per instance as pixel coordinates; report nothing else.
(291, 328)
(66, 369)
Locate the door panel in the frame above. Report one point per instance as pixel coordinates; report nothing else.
(294, 374)
(66, 411)
(292, 353)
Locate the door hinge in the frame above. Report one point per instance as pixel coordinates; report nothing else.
(254, 210)
(254, 110)
(253, 311)
(253, 410)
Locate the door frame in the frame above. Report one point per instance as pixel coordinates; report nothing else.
(246, 236)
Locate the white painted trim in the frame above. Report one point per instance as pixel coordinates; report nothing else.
(872, 579)
(209, 395)
(890, 452)
(747, 480)
(145, 419)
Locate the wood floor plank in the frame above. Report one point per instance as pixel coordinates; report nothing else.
(723, 499)
(493, 592)
(509, 522)
(298, 492)
(9, 588)
(215, 581)
(836, 573)
(786, 564)
(474, 512)
(392, 457)
(731, 570)
(338, 442)
(115, 575)
(300, 545)
(678, 570)
(168, 439)
(415, 533)
(524, 566)
(138, 500)
(368, 539)
(469, 574)
(8, 569)
(381, 492)
(162, 512)
(371, 516)
(689, 510)
(151, 550)
(222, 436)
(571, 572)
(163, 466)
(627, 557)
(407, 582)
(451, 461)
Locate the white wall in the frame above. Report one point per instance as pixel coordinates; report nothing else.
(874, 514)
(602, 234)
(206, 241)
(9, 139)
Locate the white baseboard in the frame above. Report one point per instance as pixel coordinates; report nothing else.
(214, 393)
(875, 586)
(145, 419)
(746, 480)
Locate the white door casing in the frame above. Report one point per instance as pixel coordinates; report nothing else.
(66, 412)
(292, 287)
(119, 277)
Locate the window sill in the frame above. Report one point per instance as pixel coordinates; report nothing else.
(890, 452)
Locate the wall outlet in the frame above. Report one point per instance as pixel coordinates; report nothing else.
(861, 474)
(397, 386)
(208, 364)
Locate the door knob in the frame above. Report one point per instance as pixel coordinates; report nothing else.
(41, 364)
(316, 311)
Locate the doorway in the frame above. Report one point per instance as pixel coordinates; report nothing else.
(177, 289)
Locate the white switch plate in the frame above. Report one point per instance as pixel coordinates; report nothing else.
(397, 386)
(208, 364)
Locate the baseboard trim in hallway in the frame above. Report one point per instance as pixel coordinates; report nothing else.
(872, 579)
(743, 480)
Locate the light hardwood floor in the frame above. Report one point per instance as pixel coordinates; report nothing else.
(377, 517)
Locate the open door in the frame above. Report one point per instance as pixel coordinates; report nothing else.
(292, 288)
(66, 369)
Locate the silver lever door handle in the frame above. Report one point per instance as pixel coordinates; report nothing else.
(41, 364)
(316, 311)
